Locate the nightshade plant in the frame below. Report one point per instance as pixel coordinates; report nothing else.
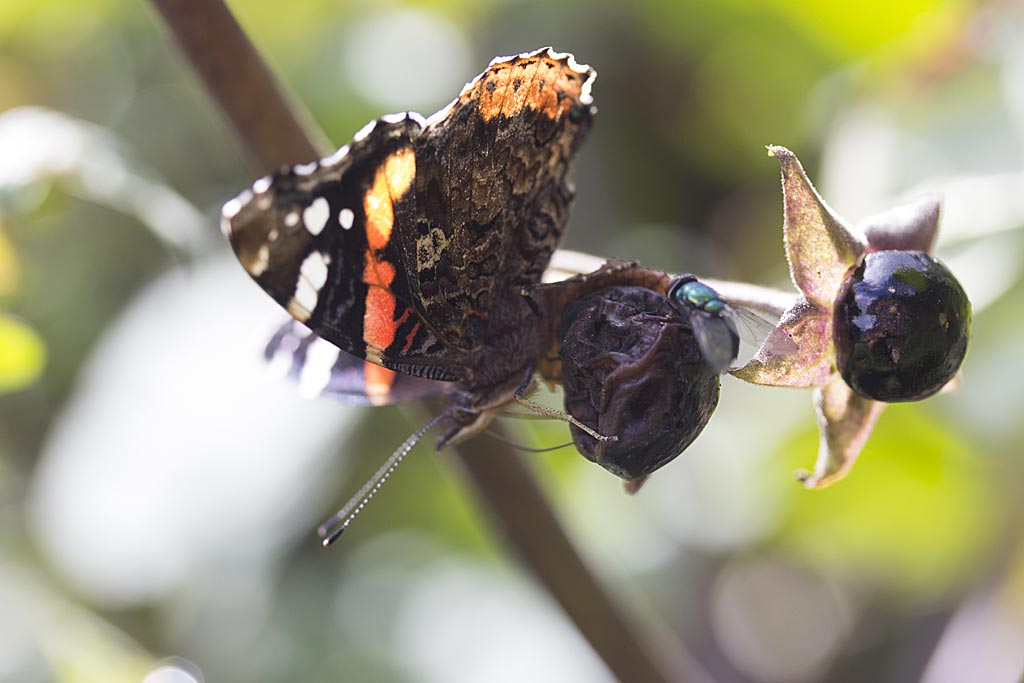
(878, 318)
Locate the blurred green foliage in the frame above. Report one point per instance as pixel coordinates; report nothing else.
(22, 351)
(22, 354)
(913, 520)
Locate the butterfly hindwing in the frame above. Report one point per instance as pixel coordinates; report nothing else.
(322, 369)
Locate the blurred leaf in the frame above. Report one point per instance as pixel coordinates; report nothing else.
(87, 650)
(851, 30)
(77, 645)
(22, 354)
(43, 146)
(54, 29)
(752, 70)
(916, 515)
(9, 271)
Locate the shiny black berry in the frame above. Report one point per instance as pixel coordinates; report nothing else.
(902, 321)
(632, 369)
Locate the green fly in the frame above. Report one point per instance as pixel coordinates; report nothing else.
(717, 325)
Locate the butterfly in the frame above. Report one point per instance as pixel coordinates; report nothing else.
(411, 260)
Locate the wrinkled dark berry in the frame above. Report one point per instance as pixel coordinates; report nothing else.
(902, 322)
(632, 369)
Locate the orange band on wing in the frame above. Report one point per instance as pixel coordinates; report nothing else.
(392, 180)
(378, 382)
(543, 84)
(379, 324)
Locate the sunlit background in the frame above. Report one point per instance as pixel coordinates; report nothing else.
(159, 487)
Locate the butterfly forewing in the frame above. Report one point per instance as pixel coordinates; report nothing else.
(317, 238)
(409, 247)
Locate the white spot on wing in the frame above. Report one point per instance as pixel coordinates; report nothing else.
(582, 69)
(335, 158)
(232, 207)
(315, 215)
(225, 226)
(292, 219)
(316, 370)
(312, 276)
(261, 185)
(305, 169)
(261, 263)
(365, 131)
(298, 311)
(314, 269)
(346, 218)
(441, 114)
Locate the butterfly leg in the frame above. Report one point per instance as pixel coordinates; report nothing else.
(520, 397)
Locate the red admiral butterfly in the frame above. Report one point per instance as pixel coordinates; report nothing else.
(420, 246)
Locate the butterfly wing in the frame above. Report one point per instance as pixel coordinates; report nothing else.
(493, 191)
(401, 247)
(317, 238)
(322, 369)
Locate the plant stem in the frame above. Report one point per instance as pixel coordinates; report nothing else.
(766, 300)
(272, 133)
(270, 128)
(773, 302)
(524, 517)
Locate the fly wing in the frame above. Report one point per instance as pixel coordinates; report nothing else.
(718, 343)
(760, 333)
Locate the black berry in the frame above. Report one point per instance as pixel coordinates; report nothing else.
(902, 322)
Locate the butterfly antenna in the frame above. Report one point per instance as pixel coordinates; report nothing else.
(334, 527)
(529, 449)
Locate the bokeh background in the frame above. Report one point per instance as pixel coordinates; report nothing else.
(158, 485)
